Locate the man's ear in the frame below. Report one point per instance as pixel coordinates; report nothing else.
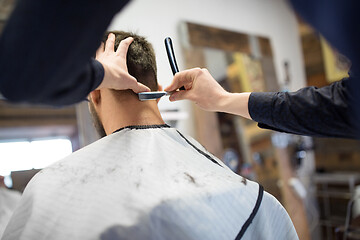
(95, 97)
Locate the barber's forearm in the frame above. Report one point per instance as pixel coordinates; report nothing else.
(235, 103)
(206, 92)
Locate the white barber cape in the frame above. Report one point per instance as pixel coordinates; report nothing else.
(8, 202)
(146, 182)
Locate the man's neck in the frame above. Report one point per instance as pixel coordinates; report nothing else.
(130, 112)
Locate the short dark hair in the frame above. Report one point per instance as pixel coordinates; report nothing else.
(141, 62)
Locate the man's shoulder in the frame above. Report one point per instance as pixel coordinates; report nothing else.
(73, 161)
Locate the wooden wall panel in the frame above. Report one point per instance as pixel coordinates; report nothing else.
(218, 38)
(268, 68)
(265, 47)
(6, 7)
(12, 115)
(313, 59)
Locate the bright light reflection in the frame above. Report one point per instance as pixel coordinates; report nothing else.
(15, 156)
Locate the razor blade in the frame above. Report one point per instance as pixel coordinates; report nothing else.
(143, 96)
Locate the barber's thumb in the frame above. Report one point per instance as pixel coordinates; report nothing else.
(179, 95)
(172, 87)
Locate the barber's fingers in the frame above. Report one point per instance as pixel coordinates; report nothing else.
(139, 87)
(110, 42)
(184, 78)
(100, 50)
(136, 86)
(130, 82)
(123, 47)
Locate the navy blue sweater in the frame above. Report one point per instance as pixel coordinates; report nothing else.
(47, 46)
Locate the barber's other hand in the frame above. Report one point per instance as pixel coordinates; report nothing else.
(200, 87)
(114, 63)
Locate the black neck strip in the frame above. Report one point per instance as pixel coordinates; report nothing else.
(253, 213)
(143, 127)
(201, 152)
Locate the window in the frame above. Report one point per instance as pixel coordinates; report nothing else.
(25, 155)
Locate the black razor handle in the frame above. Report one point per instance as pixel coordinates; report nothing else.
(171, 57)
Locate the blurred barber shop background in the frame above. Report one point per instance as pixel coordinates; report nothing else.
(247, 45)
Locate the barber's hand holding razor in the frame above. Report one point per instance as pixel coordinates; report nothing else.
(206, 92)
(116, 73)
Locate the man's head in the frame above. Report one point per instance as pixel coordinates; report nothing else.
(140, 60)
(141, 64)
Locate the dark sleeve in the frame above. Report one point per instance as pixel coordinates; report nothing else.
(47, 46)
(322, 112)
